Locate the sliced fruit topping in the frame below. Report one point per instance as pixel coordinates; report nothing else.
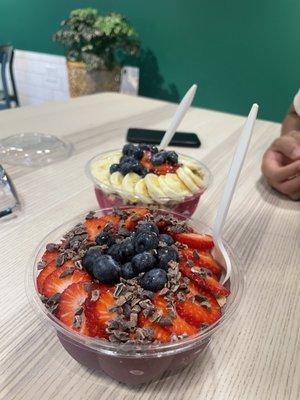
(195, 240)
(71, 307)
(136, 215)
(146, 160)
(159, 333)
(199, 308)
(95, 225)
(98, 310)
(202, 259)
(50, 267)
(177, 324)
(63, 277)
(205, 281)
(165, 169)
(49, 256)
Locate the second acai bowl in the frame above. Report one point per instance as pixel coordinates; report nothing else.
(143, 175)
(132, 292)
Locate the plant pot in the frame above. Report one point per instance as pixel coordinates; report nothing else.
(83, 82)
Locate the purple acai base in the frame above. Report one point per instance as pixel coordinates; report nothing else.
(186, 207)
(131, 370)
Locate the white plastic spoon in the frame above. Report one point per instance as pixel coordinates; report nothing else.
(232, 178)
(178, 116)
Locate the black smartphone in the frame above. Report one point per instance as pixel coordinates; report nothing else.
(152, 136)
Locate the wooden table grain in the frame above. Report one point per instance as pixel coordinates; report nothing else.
(255, 356)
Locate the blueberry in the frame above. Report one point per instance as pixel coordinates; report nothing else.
(165, 255)
(136, 167)
(147, 227)
(90, 257)
(144, 146)
(106, 269)
(127, 271)
(166, 239)
(143, 262)
(172, 157)
(153, 149)
(145, 241)
(159, 158)
(114, 168)
(154, 280)
(105, 238)
(126, 250)
(128, 149)
(125, 167)
(124, 159)
(114, 251)
(138, 152)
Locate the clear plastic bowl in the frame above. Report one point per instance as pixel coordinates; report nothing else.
(127, 363)
(107, 196)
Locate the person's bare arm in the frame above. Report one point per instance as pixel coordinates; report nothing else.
(291, 122)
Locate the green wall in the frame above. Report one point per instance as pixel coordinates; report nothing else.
(237, 51)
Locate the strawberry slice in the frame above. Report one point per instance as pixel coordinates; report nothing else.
(49, 256)
(201, 309)
(60, 279)
(95, 225)
(71, 303)
(202, 259)
(98, 312)
(146, 160)
(179, 325)
(195, 240)
(160, 333)
(164, 169)
(136, 215)
(205, 282)
(50, 267)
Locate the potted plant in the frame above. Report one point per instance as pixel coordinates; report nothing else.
(93, 42)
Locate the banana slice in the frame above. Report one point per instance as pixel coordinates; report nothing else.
(173, 188)
(221, 300)
(116, 180)
(195, 178)
(186, 179)
(101, 174)
(154, 188)
(142, 192)
(128, 185)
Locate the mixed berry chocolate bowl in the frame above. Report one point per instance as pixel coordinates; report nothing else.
(156, 337)
(142, 175)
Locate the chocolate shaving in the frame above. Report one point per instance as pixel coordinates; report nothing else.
(121, 300)
(54, 299)
(190, 263)
(133, 320)
(200, 298)
(77, 321)
(60, 260)
(67, 272)
(87, 286)
(95, 295)
(79, 311)
(165, 321)
(52, 247)
(196, 255)
(120, 287)
(90, 215)
(41, 265)
(78, 265)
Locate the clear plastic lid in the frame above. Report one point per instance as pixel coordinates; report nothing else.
(33, 149)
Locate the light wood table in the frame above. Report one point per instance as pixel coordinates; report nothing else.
(256, 356)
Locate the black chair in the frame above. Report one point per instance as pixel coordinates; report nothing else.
(6, 60)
